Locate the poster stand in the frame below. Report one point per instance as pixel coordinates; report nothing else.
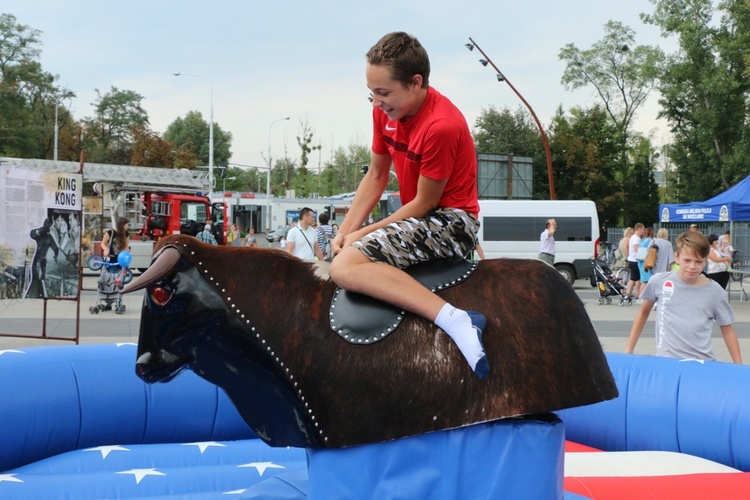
(69, 189)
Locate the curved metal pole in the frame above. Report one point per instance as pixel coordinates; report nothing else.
(501, 77)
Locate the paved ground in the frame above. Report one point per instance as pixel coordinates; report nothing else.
(612, 322)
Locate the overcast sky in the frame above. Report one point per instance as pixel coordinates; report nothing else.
(269, 59)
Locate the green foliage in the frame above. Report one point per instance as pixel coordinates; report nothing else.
(504, 132)
(28, 95)
(586, 159)
(304, 140)
(108, 136)
(18, 43)
(641, 193)
(622, 73)
(704, 92)
(192, 133)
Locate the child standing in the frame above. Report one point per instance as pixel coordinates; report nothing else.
(689, 302)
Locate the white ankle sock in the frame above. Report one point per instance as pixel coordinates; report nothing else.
(457, 324)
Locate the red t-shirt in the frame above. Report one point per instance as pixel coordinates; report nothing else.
(436, 143)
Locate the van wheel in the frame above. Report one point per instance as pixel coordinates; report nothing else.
(567, 272)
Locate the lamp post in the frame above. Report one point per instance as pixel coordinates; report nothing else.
(210, 132)
(57, 105)
(268, 174)
(224, 186)
(501, 78)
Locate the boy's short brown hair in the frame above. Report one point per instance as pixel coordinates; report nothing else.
(695, 242)
(403, 55)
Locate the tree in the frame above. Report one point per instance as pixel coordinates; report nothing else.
(343, 173)
(28, 95)
(18, 43)
(704, 92)
(305, 182)
(622, 73)
(151, 150)
(640, 180)
(193, 132)
(585, 156)
(503, 132)
(237, 179)
(108, 136)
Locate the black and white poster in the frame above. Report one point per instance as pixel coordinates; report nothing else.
(40, 233)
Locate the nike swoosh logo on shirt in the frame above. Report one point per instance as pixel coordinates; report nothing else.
(387, 127)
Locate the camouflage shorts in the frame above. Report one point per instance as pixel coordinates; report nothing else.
(445, 233)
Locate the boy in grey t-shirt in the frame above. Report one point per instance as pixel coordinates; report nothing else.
(689, 303)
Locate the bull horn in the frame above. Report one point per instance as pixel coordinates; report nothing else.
(163, 266)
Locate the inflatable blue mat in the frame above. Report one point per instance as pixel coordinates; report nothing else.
(75, 422)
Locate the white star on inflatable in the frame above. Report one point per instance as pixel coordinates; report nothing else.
(235, 492)
(9, 477)
(701, 361)
(107, 449)
(203, 446)
(120, 344)
(141, 473)
(262, 466)
(14, 351)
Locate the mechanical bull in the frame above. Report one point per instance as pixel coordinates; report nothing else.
(256, 323)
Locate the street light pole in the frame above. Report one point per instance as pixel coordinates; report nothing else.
(224, 186)
(210, 132)
(57, 105)
(501, 78)
(268, 175)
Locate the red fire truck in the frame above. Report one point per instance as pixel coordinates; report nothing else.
(158, 202)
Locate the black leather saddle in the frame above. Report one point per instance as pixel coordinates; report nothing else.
(361, 319)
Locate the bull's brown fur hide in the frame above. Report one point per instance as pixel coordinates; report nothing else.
(543, 351)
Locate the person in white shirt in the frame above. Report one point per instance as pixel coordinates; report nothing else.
(635, 273)
(547, 246)
(302, 241)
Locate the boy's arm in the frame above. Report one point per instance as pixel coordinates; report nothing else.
(638, 323)
(733, 345)
(368, 193)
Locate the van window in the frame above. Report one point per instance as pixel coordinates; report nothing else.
(530, 228)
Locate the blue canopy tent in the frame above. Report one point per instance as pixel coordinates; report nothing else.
(733, 205)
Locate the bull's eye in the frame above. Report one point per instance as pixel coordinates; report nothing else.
(161, 295)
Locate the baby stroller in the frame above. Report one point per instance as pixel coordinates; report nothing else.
(109, 285)
(607, 284)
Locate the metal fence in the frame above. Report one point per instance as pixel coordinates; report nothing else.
(740, 236)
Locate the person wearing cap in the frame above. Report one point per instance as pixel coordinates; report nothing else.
(694, 228)
(205, 236)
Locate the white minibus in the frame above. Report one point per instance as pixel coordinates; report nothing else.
(513, 228)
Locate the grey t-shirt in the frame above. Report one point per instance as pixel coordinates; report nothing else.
(685, 316)
(664, 255)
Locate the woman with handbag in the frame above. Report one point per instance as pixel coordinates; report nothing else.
(717, 266)
(643, 249)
